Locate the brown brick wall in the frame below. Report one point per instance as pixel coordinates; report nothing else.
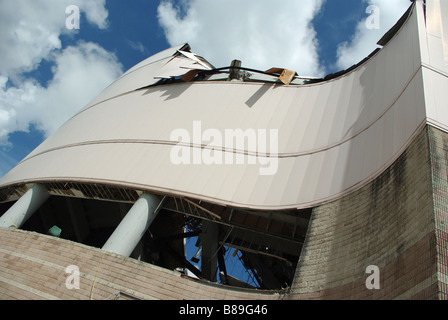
(32, 266)
(388, 223)
(438, 142)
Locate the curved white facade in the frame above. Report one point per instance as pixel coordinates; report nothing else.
(333, 136)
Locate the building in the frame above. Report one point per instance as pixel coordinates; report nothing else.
(332, 188)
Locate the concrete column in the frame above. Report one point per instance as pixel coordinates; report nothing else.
(25, 207)
(131, 229)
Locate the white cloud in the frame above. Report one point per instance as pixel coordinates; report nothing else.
(262, 34)
(30, 33)
(137, 46)
(80, 73)
(365, 39)
(95, 11)
(30, 30)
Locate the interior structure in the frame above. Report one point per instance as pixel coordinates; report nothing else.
(260, 247)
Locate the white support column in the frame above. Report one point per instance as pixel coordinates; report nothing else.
(131, 229)
(24, 208)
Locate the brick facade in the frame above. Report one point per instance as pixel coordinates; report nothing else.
(33, 266)
(397, 223)
(439, 173)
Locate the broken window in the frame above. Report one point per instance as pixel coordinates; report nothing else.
(230, 246)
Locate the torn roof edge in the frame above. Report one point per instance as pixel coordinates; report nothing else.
(281, 75)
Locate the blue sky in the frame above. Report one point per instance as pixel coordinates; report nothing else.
(48, 72)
